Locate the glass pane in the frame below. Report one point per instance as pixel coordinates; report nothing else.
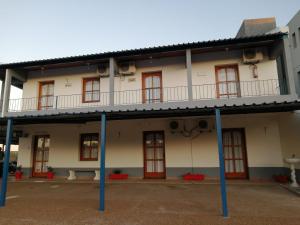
(159, 139)
(148, 82)
(94, 143)
(156, 81)
(88, 85)
(39, 155)
(229, 166)
(96, 96)
(239, 166)
(159, 153)
(94, 153)
(88, 96)
(44, 89)
(44, 167)
(86, 153)
(150, 153)
(232, 87)
(150, 139)
(47, 142)
(222, 88)
(40, 142)
(159, 166)
(237, 138)
(148, 95)
(46, 156)
(238, 152)
(156, 93)
(96, 85)
(50, 90)
(231, 74)
(150, 166)
(221, 75)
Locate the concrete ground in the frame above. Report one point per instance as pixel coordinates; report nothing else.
(132, 203)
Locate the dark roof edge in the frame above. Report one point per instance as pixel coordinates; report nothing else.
(149, 50)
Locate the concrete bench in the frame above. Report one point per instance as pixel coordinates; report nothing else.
(72, 173)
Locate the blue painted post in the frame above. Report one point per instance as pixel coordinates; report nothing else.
(9, 131)
(102, 162)
(221, 162)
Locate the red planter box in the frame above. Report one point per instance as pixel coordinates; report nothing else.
(18, 175)
(191, 176)
(50, 175)
(281, 179)
(118, 176)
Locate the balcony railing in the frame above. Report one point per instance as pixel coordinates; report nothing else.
(226, 90)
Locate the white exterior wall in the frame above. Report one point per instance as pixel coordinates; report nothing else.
(173, 75)
(125, 147)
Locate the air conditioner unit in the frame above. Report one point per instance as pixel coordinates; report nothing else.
(127, 68)
(205, 125)
(103, 70)
(176, 126)
(252, 56)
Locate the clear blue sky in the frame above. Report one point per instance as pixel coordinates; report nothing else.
(36, 29)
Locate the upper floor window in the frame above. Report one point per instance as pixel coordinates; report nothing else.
(227, 81)
(91, 89)
(294, 40)
(89, 144)
(46, 95)
(152, 87)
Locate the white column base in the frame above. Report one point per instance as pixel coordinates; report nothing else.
(72, 175)
(97, 175)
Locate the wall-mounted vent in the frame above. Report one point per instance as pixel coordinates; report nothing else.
(127, 68)
(252, 56)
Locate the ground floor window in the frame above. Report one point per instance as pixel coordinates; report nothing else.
(89, 145)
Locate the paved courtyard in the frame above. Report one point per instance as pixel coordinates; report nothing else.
(60, 203)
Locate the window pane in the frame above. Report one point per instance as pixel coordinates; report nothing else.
(86, 153)
(94, 153)
(50, 89)
(96, 85)
(150, 166)
(159, 166)
(148, 82)
(156, 81)
(96, 96)
(88, 96)
(88, 85)
(221, 75)
(150, 153)
(231, 74)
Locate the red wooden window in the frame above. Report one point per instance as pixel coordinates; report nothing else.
(152, 87)
(89, 145)
(46, 95)
(91, 89)
(227, 81)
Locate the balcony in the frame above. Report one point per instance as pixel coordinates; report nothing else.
(225, 91)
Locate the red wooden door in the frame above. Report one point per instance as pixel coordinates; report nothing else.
(227, 81)
(46, 95)
(40, 156)
(154, 154)
(235, 156)
(152, 87)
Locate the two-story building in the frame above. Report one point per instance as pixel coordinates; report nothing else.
(160, 105)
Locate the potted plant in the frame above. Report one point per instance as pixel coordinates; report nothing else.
(50, 173)
(118, 175)
(19, 173)
(194, 176)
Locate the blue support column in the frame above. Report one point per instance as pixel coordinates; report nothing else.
(102, 162)
(9, 132)
(222, 164)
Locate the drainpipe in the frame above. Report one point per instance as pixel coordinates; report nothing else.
(102, 162)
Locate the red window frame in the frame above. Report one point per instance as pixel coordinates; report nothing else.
(47, 106)
(84, 91)
(82, 138)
